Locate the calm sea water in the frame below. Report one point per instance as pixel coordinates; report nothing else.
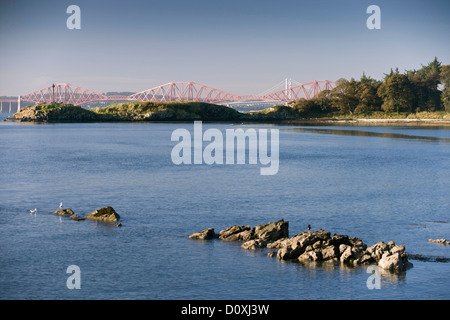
(376, 183)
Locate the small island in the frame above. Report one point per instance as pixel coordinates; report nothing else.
(129, 111)
(183, 111)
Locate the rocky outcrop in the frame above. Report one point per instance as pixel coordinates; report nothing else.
(273, 231)
(265, 233)
(236, 233)
(206, 234)
(107, 215)
(68, 213)
(316, 246)
(440, 241)
(321, 246)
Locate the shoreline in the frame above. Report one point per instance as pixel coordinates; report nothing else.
(373, 121)
(415, 122)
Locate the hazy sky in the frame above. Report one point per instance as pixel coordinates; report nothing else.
(243, 47)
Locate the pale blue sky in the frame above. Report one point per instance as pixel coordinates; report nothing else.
(243, 47)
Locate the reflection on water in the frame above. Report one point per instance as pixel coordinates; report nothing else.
(363, 133)
(427, 258)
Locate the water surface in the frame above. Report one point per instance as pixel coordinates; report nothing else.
(376, 183)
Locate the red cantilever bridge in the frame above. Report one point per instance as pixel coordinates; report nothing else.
(173, 91)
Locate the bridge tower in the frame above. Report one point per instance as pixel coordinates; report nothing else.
(18, 103)
(288, 87)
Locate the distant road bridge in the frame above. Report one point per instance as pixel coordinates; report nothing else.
(173, 91)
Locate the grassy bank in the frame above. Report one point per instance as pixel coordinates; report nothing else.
(394, 115)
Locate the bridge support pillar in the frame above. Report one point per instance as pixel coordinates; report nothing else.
(18, 103)
(288, 87)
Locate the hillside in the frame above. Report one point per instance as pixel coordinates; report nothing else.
(129, 111)
(55, 113)
(169, 111)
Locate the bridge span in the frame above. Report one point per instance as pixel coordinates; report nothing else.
(173, 91)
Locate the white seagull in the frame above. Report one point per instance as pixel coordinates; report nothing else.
(33, 211)
(60, 205)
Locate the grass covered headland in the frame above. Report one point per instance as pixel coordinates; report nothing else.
(129, 111)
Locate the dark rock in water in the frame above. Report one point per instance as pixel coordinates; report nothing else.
(107, 214)
(64, 212)
(422, 257)
(68, 213)
(206, 234)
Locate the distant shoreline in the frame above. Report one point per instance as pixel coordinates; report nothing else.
(182, 111)
(376, 121)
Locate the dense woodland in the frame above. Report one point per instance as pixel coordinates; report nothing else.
(426, 89)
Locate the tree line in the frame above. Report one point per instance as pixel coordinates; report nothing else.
(426, 89)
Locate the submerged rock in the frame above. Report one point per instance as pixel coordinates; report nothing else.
(64, 212)
(440, 241)
(107, 214)
(68, 213)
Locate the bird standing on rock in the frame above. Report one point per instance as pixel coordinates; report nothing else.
(308, 227)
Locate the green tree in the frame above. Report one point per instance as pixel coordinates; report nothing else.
(425, 83)
(445, 80)
(366, 92)
(344, 96)
(397, 93)
(308, 108)
(323, 100)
